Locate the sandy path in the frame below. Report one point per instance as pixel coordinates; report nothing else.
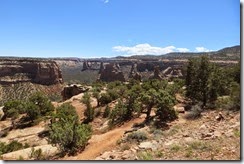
(104, 142)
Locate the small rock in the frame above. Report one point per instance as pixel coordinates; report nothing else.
(217, 134)
(126, 154)
(136, 147)
(219, 117)
(189, 139)
(105, 155)
(229, 133)
(148, 145)
(171, 142)
(185, 135)
(237, 124)
(206, 136)
(99, 158)
(133, 150)
(180, 109)
(203, 126)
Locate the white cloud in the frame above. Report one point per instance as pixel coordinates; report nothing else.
(105, 1)
(183, 49)
(202, 49)
(147, 49)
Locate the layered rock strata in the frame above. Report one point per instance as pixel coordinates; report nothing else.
(45, 72)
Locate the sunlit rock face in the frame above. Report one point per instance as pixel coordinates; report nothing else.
(111, 72)
(45, 72)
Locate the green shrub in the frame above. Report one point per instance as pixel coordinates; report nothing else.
(12, 146)
(105, 99)
(37, 154)
(67, 132)
(224, 102)
(42, 102)
(175, 148)
(114, 84)
(13, 108)
(32, 111)
(113, 94)
(137, 136)
(106, 112)
(145, 155)
(89, 112)
(118, 115)
(165, 111)
(195, 113)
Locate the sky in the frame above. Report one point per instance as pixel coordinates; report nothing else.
(109, 28)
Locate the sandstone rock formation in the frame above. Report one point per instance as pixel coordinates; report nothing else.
(134, 74)
(72, 90)
(85, 66)
(15, 70)
(156, 74)
(173, 72)
(101, 67)
(111, 72)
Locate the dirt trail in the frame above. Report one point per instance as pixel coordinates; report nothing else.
(104, 142)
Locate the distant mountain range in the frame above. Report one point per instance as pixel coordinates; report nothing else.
(228, 53)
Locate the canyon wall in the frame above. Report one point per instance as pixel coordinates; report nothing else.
(40, 71)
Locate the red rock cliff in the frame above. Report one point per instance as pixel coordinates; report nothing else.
(40, 71)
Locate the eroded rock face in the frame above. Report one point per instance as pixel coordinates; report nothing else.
(85, 66)
(156, 74)
(17, 70)
(173, 72)
(134, 74)
(72, 90)
(48, 73)
(101, 67)
(111, 72)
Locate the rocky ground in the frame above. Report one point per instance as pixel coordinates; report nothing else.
(207, 138)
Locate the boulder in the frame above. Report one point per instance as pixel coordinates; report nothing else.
(179, 109)
(148, 145)
(72, 90)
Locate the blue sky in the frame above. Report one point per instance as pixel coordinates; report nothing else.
(106, 28)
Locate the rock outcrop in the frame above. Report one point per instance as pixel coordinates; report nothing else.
(72, 90)
(112, 72)
(134, 74)
(101, 67)
(15, 70)
(85, 66)
(173, 72)
(156, 74)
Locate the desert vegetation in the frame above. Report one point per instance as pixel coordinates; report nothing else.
(207, 87)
